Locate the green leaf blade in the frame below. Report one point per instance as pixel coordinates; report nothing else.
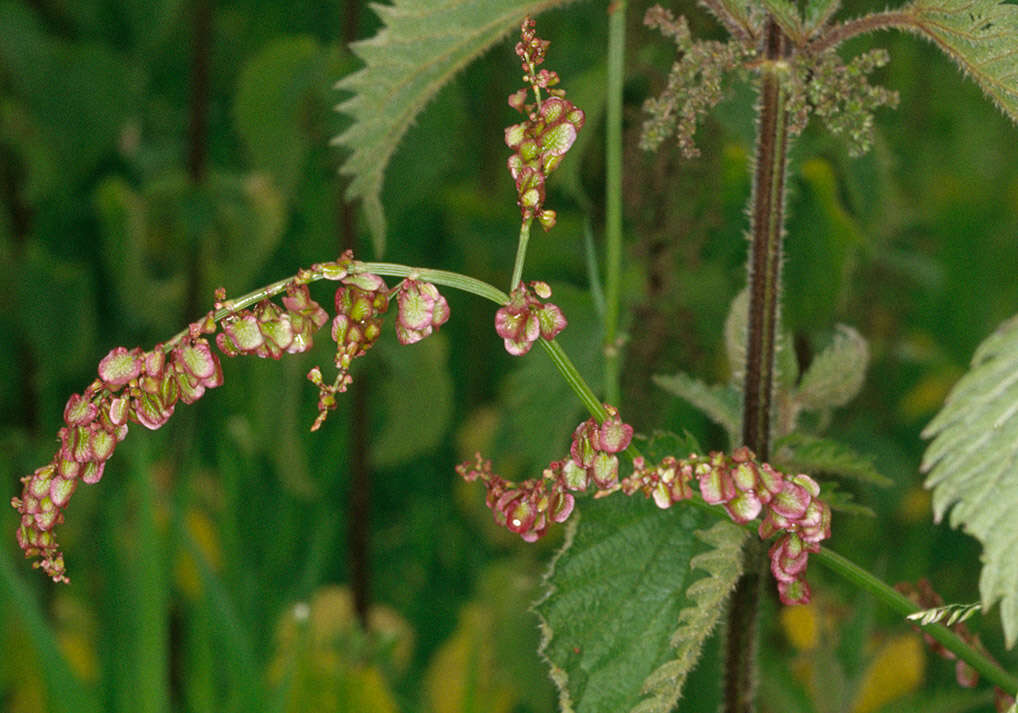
(813, 455)
(615, 593)
(707, 596)
(836, 375)
(973, 466)
(981, 36)
(786, 15)
(720, 403)
(421, 48)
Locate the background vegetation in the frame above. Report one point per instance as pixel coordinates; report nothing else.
(153, 150)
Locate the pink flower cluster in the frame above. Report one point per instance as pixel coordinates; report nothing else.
(528, 508)
(361, 300)
(269, 331)
(540, 142)
(745, 489)
(525, 318)
(144, 387)
(133, 386)
(593, 454)
(421, 310)
(737, 482)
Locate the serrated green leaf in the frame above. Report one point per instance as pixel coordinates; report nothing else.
(815, 455)
(666, 443)
(843, 501)
(818, 12)
(981, 36)
(614, 594)
(421, 47)
(973, 466)
(736, 329)
(736, 326)
(744, 13)
(720, 403)
(836, 374)
(723, 564)
(786, 15)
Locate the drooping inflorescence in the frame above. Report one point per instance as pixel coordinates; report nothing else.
(790, 505)
(549, 131)
(144, 387)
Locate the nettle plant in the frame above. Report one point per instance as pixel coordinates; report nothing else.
(634, 594)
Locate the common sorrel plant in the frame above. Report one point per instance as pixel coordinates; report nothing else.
(633, 598)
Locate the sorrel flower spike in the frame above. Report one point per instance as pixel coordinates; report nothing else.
(792, 506)
(420, 311)
(540, 142)
(133, 386)
(525, 318)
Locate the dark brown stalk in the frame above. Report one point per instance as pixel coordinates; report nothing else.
(767, 228)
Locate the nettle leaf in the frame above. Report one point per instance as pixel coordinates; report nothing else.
(973, 466)
(736, 332)
(818, 12)
(786, 14)
(723, 564)
(836, 374)
(721, 403)
(421, 47)
(736, 328)
(614, 595)
(981, 36)
(802, 452)
(843, 501)
(618, 589)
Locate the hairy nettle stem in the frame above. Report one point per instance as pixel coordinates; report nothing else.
(767, 228)
(767, 216)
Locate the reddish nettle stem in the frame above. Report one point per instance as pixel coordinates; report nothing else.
(767, 228)
(887, 20)
(767, 231)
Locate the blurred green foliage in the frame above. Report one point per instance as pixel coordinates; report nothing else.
(210, 548)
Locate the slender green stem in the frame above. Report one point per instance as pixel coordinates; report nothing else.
(902, 605)
(569, 372)
(521, 254)
(613, 198)
(444, 278)
(322, 271)
(897, 602)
